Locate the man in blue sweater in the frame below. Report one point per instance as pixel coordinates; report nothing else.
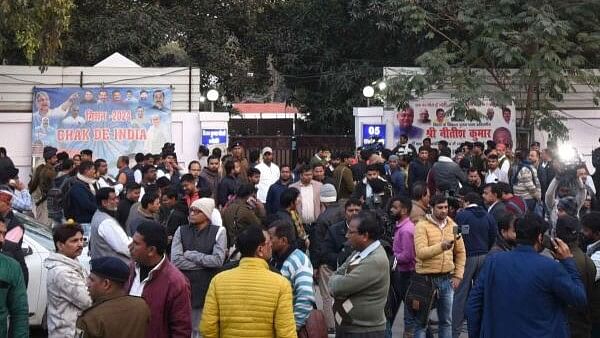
(521, 293)
(478, 241)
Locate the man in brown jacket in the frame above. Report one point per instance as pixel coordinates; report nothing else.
(244, 211)
(420, 201)
(342, 176)
(114, 314)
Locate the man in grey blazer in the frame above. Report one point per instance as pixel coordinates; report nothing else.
(360, 286)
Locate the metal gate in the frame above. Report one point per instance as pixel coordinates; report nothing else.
(306, 146)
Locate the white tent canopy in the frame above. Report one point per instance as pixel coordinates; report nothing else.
(117, 60)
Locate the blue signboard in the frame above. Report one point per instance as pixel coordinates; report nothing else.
(373, 130)
(214, 136)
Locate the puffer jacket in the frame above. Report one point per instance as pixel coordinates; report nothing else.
(266, 309)
(67, 294)
(431, 258)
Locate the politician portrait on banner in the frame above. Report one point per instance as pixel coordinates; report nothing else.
(111, 121)
(436, 119)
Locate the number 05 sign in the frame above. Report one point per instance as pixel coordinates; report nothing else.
(373, 130)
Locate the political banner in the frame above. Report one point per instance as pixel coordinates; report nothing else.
(110, 121)
(436, 119)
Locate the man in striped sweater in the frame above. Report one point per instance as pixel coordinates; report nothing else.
(295, 266)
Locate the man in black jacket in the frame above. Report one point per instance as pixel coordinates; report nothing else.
(373, 190)
(335, 250)
(492, 197)
(419, 168)
(334, 213)
(132, 195)
(172, 213)
(230, 183)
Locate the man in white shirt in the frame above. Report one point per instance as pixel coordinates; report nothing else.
(310, 192)
(104, 179)
(107, 237)
(503, 161)
(73, 120)
(164, 288)
(495, 174)
(269, 174)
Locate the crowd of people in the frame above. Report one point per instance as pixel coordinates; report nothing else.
(500, 243)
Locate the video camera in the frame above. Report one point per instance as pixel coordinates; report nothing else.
(459, 230)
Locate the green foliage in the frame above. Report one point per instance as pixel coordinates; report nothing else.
(31, 31)
(525, 52)
(326, 52)
(140, 30)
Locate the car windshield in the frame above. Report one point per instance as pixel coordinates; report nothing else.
(36, 230)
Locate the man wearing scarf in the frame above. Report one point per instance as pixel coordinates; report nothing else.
(81, 196)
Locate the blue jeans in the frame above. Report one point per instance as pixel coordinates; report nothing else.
(444, 308)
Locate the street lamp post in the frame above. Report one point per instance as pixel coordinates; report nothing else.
(212, 96)
(368, 92)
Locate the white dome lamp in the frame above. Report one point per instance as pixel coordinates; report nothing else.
(212, 96)
(368, 92)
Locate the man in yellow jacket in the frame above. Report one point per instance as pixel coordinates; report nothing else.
(250, 300)
(440, 256)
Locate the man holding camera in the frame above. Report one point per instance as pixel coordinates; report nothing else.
(478, 228)
(440, 261)
(373, 190)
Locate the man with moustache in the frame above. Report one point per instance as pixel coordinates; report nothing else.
(107, 237)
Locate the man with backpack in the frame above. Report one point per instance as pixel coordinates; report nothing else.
(514, 204)
(526, 184)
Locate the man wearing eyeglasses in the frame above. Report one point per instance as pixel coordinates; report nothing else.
(198, 250)
(360, 286)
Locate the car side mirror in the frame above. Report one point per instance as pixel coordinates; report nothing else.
(27, 250)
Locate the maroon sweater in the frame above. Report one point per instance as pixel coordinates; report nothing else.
(169, 299)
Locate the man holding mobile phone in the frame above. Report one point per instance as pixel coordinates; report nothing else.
(440, 256)
(526, 282)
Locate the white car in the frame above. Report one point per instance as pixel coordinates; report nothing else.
(37, 245)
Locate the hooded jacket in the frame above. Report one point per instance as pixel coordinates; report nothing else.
(482, 229)
(67, 294)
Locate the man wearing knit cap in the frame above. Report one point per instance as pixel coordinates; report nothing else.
(198, 250)
(334, 213)
(114, 313)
